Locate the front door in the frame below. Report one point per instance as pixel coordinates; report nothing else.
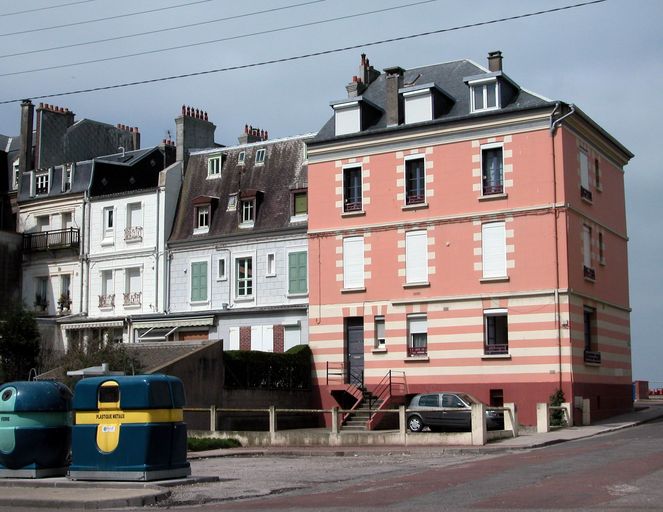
(354, 346)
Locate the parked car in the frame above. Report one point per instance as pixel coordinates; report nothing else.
(447, 410)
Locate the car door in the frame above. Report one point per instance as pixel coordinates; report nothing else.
(457, 416)
(429, 409)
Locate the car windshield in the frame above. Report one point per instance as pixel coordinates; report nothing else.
(468, 399)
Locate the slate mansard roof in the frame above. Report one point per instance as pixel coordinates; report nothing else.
(448, 78)
(271, 183)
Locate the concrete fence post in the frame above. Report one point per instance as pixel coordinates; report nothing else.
(334, 420)
(568, 410)
(401, 423)
(586, 417)
(212, 418)
(272, 420)
(511, 418)
(479, 433)
(542, 418)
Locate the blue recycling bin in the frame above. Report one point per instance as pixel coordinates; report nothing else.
(129, 428)
(35, 429)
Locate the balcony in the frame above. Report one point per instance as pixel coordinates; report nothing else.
(51, 240)
(352, 206)
(592, 358)
(412, 198)
(496, 349)
(132, 298)
(589, 273)
(586, 194)
(490, 190)
(107, 301)
(133, 234)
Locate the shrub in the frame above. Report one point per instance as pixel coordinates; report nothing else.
(19, 344)
(199, 444)
(557, 418)
(246, 369)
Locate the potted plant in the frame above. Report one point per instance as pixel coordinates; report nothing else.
(64, 302)
(40, 303)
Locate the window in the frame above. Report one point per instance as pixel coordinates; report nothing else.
(347, 118)
(415, 181)
(353, 262)
(416, 257)
(597, 174)
(585, 193)
(109, 221)
(297, 266)
(271, 265)
(380, 341)
(132, 287)
(67, 172)
(244, 277)
(64, 302)
(221, 269)
(429, 400)
(291, 336)
(241, 157)
(67, 222)
(198, 281)
(260, 156)
(589, 325)
(248, 211)
(352, 189)
(232, 203)
(601, 249)
(496, 332)
(15, 175)
(300, 204)
(214, 166)
(484, 96)
(493, 250)
(492, 171)
(107, 297)
(202, 219)
(588, 270)
(417, 336)
(41, 292)
(134, 229)
(41, 184)
(43, 223)
(418, 106)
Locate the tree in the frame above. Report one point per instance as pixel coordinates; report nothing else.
(19, 344)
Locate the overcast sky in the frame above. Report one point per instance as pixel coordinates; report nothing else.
(607, 58)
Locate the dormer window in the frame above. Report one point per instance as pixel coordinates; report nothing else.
(232, 203)
(484, 95)
(214, 167)
(260, 156)
(67, 174)
(42, 183)
(15, 175)
(347, 117)
(241, 157)
(202, 219)
(248, 212)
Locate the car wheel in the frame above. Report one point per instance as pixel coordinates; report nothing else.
(415, 424)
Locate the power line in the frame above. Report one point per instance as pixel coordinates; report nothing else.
(157, 31)
(306, 55)
(36, 9)
(223, 39)
(117, 16)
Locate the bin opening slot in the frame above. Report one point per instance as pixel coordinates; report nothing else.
(109, 394)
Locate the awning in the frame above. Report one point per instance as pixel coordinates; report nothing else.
(93, 325)
(175, 322)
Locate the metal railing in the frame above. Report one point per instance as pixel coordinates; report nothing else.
(417, 351)
(133, 298)
(133, 233)
(592, 357)
(589, 273)
(489, 190)
(107, 301)
(49, 240)
(495, 349)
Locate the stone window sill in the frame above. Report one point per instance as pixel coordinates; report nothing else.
(353, 290)
(417, 285)
(504, 279)
(491, 197)
(416, 359)
(417, 206)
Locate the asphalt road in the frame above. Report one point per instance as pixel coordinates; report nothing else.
(617, 471)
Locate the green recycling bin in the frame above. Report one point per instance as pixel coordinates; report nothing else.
(129, 428)
(35, 429)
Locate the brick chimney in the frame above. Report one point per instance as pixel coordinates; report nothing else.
(394, 108)
(194, 130)
(25, 162)
(52, 125)
(495, 61)
(366, 76)
(252, 134)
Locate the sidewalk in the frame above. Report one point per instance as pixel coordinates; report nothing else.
(55, 493)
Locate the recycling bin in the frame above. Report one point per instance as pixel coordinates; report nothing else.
(35, 429)
(129, 428)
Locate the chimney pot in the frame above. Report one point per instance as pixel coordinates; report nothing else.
(246, 128)
(266, 135)
(183, 109)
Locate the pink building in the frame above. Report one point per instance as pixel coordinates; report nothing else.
(467, 234)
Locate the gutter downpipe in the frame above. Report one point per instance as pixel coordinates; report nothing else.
(554, 123)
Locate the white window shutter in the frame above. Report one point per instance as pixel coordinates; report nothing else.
(233, 341)
(416, 256)
(353, 262)
(584, 170)
(587, 246)
(493, 249)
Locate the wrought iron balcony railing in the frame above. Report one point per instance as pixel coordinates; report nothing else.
(489, 190)
(133, 298)
(414, 198)
(589, 273)
(353, 206)
(495, 349)
(592, 357)
(133, 233)
(417, 351)
(107, 301)
(51, 240)
(585, 194)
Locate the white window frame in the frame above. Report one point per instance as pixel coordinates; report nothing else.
(45, 178)
(361, 181)
(261, 155)
(587, 246)
(232, 203)
(417, 323)
(418, 106)
(127, 284)
(236, 296)
(15, 174)
(67, 177)
(214, 166)
(483, 84)
(248, 205)
(221, 269)
(270, 264)
(380, 341)
(208, 283)
(353, 263)
(241, 158)
(492, 313)
(415, 254)
(491, 267)
(347, 118)
(417, 156)
(487, 147)
(109, 220)
(202, 211)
